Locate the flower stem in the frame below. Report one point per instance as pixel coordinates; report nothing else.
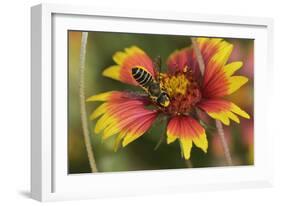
(201, 64)
(224, 142)
(188, 163)
(198, 55)
(83, 111)
(163, 121)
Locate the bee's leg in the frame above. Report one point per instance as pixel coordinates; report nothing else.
(138, 95)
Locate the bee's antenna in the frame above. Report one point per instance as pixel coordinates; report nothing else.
(158, 66)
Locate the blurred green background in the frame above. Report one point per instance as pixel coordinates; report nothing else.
(140, 154)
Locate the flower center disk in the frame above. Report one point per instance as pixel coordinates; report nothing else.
(183, 90)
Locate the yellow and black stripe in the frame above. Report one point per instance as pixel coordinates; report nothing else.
(142, 76)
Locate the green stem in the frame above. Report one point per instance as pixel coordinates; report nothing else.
(224, 142)
(163, 121)
(188, 163)
(83, 111)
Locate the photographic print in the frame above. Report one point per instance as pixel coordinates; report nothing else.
(151, 102)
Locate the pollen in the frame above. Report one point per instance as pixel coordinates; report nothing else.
(176, 84)
(183, 90)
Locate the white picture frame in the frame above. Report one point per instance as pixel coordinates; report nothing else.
(49, 178)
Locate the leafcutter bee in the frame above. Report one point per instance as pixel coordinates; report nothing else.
(150, 85)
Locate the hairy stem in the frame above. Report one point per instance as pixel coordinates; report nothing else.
(188, 163)
(83, 111)
(199, 56)
(224, 142)
(219, 126)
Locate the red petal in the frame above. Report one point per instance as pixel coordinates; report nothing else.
(222, 110)
(123, 114)
(182, 59)
(184, 127)
(187, 130)
(218, 80)
(186, 57)
(126, 60)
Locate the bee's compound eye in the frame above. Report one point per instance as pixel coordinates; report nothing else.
(163, 100)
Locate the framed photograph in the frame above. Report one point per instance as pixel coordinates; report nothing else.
(138, 102)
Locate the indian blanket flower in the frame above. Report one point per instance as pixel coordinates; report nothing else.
(127, 115)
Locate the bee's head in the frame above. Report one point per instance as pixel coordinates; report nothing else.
(163, 99)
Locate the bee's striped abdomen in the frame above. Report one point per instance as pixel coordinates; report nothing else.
(143, 77)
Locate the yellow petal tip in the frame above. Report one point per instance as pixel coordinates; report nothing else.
(112, 72)
(99, 97)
